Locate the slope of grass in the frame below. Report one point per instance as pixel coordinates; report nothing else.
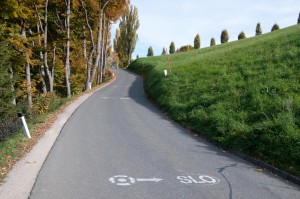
(244, 95)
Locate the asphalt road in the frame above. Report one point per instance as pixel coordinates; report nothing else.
(118, 145)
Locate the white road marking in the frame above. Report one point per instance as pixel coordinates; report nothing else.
(116, 98)
(203, 179)
(123, 180)
(148, 179)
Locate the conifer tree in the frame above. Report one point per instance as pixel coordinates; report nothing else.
(197, 42)
(164, 52)
(150, 52)
(224, 36)
(212, 42)
(299, 19)
(275, 27)
(258, 30)
(172, 48)
(242, 36)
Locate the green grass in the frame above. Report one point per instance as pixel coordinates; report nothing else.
(245, 95)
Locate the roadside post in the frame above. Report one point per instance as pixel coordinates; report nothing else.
(24, 125)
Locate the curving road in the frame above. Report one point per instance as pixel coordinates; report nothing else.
(118, 145)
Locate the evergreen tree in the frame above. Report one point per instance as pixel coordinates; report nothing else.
(137, 56)
(212, 42)
(150, 52)
(197, 42)
(299, 19)
(275, 27)
(258, 30)
(224, 36)
(172, 48)
(164, 52)
(242, 36)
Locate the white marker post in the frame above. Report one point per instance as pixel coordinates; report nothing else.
(166, 72)
(24, 125)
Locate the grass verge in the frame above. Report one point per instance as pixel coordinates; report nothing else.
(245, 95)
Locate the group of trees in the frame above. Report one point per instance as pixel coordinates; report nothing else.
(224, 39)
(57, 47)
(126, 37)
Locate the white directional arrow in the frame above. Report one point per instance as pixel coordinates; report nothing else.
(148, 179)
(124, 180)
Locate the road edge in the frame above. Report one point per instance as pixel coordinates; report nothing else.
(21, 179)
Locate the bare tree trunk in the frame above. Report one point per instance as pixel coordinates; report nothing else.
(88, 84)
(27, 68)
(49, 74)
(11, 75)
(67, 61)
(100, 69)
(98, 49)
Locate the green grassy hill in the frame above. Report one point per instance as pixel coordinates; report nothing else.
(244, 95)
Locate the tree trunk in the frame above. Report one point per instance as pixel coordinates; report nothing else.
(11, 75)
(27, 68)
(98, 50)
(89, 61)
(49, 74)
(67, 60)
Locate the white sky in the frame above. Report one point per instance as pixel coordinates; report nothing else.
(164, 21)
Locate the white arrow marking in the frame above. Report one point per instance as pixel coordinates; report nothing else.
(148, 179)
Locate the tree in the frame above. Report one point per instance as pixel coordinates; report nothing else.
(275, 27)
(150, 52)
(299, 19)
(224, 36)
(242, 36)
(258, 30)
(172, 48)
(197, 42)
(212, 42)
(164, 52)
(185, 48)
(129, 25)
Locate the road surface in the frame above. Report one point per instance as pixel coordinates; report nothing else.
(118, 145)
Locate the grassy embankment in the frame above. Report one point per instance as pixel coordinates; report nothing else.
(244, 95)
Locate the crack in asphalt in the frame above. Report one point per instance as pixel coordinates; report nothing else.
(221, 170)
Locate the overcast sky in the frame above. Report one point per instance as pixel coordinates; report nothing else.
(164, 21)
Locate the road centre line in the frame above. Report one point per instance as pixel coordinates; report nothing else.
(116, 98)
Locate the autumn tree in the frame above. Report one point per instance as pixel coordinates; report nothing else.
(224, 36)
(129, 25)
(212, 42)
(241, 36)
(258, 30)
(275, 27)
(185, 48)
(172, 48)
(197, 42)
(150, 52)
